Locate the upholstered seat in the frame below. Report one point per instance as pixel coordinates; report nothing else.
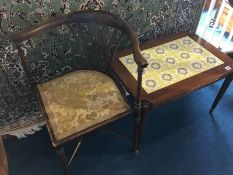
(80, 99)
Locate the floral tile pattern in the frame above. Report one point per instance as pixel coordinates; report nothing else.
(172, 62)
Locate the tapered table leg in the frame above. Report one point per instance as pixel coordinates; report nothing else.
(222, 91)
(3, 159)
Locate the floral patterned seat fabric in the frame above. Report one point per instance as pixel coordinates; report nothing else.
(80, 99)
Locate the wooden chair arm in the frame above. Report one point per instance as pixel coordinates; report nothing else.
(140, 60)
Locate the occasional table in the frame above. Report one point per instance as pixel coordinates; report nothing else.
(178, 65)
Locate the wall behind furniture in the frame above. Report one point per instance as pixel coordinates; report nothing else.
(149, 18)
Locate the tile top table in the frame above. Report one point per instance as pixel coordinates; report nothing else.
(178, 65)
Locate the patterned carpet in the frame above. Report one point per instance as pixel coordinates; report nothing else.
(180, 138)
(18, 106)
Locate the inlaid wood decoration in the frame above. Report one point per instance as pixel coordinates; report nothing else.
(172, 62)
(148, 18)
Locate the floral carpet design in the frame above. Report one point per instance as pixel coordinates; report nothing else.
(149, 19)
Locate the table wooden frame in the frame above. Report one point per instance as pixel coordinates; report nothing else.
(176, 90)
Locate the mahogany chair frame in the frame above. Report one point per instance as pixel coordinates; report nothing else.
(80, 17)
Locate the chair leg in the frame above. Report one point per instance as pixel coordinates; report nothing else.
(139, 123)
(144, 112)
(221, 92)
(62, 156)
(136, 123)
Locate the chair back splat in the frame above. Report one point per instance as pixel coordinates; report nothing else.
(91, 28)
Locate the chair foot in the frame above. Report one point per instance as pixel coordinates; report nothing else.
(221, 92)
(62, 156)
(136, 152)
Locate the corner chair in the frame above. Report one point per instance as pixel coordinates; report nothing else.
(88, 95)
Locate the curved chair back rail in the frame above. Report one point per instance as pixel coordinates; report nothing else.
(89, 16)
